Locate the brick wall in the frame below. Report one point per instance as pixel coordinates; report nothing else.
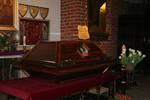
(114, 9)
(74, 12)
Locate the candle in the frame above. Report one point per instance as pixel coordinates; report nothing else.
(24, 40)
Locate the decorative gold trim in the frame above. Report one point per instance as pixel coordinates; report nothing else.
(23, 9)
(33, 10)
(44, 12)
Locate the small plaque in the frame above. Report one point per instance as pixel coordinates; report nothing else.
(83, 32)
(23, 9)
(33, 11)
(44, 12)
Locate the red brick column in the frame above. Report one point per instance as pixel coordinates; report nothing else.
(73, 13)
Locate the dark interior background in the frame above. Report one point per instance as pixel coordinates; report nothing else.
(134, 31)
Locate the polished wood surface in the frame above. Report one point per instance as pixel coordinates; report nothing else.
(61, 60)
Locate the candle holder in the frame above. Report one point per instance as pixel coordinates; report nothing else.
(24, 43)
(24, 47)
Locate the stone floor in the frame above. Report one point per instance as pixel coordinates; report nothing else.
(142, 90)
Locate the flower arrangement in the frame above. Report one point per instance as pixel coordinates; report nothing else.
(130, 56)
(4, 40)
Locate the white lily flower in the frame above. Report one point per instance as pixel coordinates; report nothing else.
(122, 54)
(139, 52)
(123, 48)
(120, 57)
(144, 56)
(134, 53)
(123, 51)
(130, 55)
(130, 49)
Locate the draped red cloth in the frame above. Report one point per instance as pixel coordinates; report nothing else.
(43, 89)
(34, 31)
